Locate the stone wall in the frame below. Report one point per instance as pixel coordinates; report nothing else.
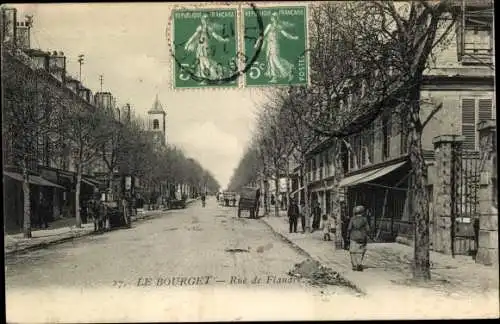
(488, 202)
(445, 146)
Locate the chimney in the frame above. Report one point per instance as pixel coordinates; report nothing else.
(23, 30)
(9, 23)
(57, 65)
(103, 100)
(40, 59)
(73, 84)
(84, 93)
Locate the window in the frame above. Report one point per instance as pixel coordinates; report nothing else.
(404, 135)
(327, 163)
(321, 166)
(474, 111)
(354, 152)
(475, 36)
(363, 88)
(386, 135)
(313, 168)
(156, 124)
(367, 148)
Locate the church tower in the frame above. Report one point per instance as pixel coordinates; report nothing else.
(157, 123)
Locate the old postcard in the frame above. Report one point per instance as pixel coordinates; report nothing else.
(237, 161)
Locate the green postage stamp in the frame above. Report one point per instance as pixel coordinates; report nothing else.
(205, 44)
(282, 59)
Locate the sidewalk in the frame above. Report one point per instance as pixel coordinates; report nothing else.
(388, 265)
(42, 238)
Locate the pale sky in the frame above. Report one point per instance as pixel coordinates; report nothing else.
(127, 44)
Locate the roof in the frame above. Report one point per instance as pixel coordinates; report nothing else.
(157, 107)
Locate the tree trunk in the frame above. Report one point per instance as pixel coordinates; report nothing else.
(110, 179)
(287, 185)
(276, 192)
(266, 196)
(26, 203)
(336, 208)
(306, 199)
(77, 196)
(419, 209)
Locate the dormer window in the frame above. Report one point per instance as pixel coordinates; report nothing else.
(156, 124)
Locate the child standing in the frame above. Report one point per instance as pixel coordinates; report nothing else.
(329, 229)
(326, 228)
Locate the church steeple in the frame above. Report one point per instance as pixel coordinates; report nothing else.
(157, 115)
(157, 107)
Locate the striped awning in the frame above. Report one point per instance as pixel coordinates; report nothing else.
(369, 175)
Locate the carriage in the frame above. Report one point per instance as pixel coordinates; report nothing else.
(229, 198)
(249, 200)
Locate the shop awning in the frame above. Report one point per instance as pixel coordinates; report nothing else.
(369, 175)
(92, 183)
(36, 180)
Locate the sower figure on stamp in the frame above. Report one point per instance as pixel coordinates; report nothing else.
(358, 230)
(293, 215)
(199, 43)
(277, 66)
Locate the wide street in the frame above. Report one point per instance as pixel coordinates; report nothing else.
(191, 265)
(183, 251)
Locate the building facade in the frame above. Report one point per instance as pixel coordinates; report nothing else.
(51, 164)
(375, 163)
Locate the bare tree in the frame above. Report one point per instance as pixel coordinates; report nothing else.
(369, 58)
(273, 143)
(301, 137)
(88, 131)
(31, 109)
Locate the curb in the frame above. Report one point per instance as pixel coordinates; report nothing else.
(304, 252)
(42, 245)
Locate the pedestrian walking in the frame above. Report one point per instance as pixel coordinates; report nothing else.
(344, 219)
(293, 215)
(327, 226)
(316, 216)
(102, 216)
(358, 230)
(303, 215)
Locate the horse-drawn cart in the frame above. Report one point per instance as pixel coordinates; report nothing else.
(249, 200)
(119, 213)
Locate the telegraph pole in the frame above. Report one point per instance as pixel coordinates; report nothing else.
(101, 80)
(80, 61)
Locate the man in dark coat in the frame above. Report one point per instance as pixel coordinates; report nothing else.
(293, 215)
(358, 230)
(316, 215)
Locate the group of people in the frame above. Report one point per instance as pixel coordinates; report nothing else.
(96, 210)
(355, 236)
(295, 213)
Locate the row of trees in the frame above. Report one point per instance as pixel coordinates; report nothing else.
(367, 59)
(45, 123)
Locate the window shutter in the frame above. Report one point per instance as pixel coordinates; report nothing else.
(469, 123)
(485, 109)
